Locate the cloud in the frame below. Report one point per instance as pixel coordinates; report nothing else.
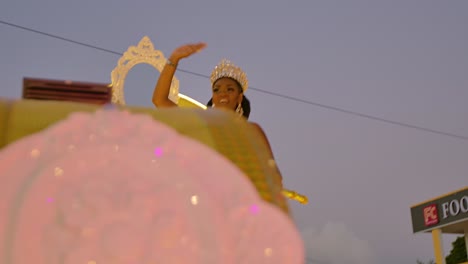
(335, 244)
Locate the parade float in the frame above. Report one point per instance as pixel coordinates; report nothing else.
(108, 183)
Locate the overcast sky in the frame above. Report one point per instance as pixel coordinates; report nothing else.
(401, 60)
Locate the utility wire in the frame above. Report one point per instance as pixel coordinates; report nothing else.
(58, 37)
(296, 99)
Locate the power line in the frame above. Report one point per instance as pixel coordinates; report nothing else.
(296, 99)
(60, 38)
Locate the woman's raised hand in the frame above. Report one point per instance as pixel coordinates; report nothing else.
(185, 51)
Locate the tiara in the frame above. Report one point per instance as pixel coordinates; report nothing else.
(228, 69)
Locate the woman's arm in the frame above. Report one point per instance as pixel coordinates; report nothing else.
(161, 91)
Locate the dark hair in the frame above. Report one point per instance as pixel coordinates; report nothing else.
(245, 104)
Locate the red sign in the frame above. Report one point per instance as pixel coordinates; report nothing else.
(430, 215)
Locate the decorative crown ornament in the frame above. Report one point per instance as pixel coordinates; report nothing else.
(228, 69)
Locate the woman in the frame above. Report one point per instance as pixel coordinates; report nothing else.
(228, 83)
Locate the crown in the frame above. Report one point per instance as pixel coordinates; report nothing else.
(228, 69)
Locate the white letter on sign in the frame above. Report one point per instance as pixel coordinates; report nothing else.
(454, 207)
(464, 204)
(445, 210)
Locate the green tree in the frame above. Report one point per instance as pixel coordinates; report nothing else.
(458, 253)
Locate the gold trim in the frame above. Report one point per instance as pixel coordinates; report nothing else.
(295, 196)
(192, 101)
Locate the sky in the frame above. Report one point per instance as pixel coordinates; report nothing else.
(403, 61)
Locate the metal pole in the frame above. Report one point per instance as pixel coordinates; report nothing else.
(438, 248)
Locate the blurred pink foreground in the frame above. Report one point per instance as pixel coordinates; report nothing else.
(119, 188)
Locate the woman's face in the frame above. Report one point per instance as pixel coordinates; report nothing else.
(227, 93)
